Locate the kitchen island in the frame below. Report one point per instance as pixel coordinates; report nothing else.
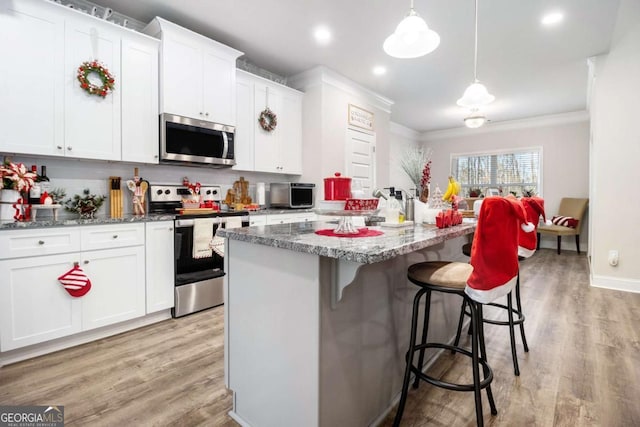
(317, 327)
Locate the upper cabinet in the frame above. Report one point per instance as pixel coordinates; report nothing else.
(46, 111)
(197, 74)
(278, 150)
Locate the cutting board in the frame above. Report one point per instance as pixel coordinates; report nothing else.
(196, 211)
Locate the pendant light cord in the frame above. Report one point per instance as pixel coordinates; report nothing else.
(475, 55)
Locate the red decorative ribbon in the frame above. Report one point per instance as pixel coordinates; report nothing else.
(362, 232)
(18, 206)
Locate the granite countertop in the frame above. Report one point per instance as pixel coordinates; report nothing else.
(276, 211)
(66, 222)
(301, 237)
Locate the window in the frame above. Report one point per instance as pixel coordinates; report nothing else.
(518, 172)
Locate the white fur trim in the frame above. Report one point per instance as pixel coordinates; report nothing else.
(548, 222)
(524, 252)
(485, 297)
(528, 227)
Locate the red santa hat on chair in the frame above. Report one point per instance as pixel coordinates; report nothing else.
(527, 242)
(494, 253)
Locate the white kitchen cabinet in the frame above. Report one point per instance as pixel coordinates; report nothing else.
(31, 78)
(34, 307)
(278, 151)
(117, 286)
(159, 264)
(197, 77)
(139, 80)
(290, 218)
(91, 122)
(257, 220)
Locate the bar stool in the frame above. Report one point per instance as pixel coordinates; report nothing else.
(487, 278)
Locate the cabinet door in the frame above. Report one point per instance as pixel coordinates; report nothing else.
(257, 220)
(139, 82)
(219, 87)
(92, 123)
(291, 134)
(31, 79)
(246, 121)
(266, 144)
(117, 286)
(159, 256)
(182, 78)
(34, 307)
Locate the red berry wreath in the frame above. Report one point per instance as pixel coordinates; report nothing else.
(88, 67)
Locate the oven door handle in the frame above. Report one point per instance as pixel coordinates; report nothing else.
(184, 223)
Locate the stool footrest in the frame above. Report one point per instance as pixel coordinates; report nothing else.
(448, 385)
(516, 321)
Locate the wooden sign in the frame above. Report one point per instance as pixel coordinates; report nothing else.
(360, 118)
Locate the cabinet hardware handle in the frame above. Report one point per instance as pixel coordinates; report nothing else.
(86, 261)
(41, 242)
(115, 236)
(155, 157)
(206, 114)
(69, 148)
(170, 228)
(76, 263)
(200, 112)
(59, 147)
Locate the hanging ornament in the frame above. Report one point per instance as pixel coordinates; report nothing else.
(108, 81)
(268, 120)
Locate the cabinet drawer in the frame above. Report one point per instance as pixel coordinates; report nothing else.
(111, 236)
(29, 243)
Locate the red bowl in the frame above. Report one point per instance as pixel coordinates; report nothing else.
(361, 204)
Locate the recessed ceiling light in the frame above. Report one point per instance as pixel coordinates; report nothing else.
(552, 18)
(379, 70)
(322, 35)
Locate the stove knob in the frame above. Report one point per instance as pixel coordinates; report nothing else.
(167, 192)
(214, 191)
(208, 192)
(159, 192)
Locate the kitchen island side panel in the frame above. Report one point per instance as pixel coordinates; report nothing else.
(364, 339)
(273, 335)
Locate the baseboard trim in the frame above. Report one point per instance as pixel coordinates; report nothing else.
(615, 283)
(237, 418)
(20, 354)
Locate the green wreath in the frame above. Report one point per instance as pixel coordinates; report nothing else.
(268, 120)
(108, 82)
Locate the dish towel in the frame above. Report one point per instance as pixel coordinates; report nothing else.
(202, 236)
(218, 242)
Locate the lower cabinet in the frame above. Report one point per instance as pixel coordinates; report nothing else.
(34, 307)
(159, 262)
(117, 286)
(291, 218)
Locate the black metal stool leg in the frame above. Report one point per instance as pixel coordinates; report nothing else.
(425, 329)
(459, 332)
(519, 307)
(512, 335)
(476, 320)
(483, 355)
(412, 344)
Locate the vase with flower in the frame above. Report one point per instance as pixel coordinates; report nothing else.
(16, 181)
(416, 163)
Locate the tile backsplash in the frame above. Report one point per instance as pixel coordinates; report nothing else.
(74, 175)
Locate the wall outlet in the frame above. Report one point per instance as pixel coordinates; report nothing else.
(613, 257)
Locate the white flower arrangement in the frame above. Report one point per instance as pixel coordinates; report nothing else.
(414, 161)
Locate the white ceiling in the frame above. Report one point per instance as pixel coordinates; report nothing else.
(531, 70)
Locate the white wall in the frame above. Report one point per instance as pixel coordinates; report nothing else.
(565, 167)
(401, 139)
(615, 206)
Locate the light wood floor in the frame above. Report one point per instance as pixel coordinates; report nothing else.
(583, 368)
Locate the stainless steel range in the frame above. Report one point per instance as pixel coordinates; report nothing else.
(199, 257)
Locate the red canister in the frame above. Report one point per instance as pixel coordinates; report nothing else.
(337, 187)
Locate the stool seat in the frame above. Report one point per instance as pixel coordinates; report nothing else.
(440, 273)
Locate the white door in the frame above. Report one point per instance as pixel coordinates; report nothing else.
(246, 121)
(267, 144)
(219, 87)
(361, 159)
(34, 307)
(139, 82)
(92, 123)
(159, 257)
(291, 133)
(117, 286)
(31, 79)
(182, 78)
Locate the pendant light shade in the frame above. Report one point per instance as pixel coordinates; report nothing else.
(476, 94)
(412, 38)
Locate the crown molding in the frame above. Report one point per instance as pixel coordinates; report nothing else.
(538, 121)
(321, 74)
(403, 131)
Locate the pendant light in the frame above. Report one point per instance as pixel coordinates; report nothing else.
(476, 94)
(475, 119)
(412, 38)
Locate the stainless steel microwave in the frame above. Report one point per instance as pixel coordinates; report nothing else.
(193, 141)
(293, 195)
